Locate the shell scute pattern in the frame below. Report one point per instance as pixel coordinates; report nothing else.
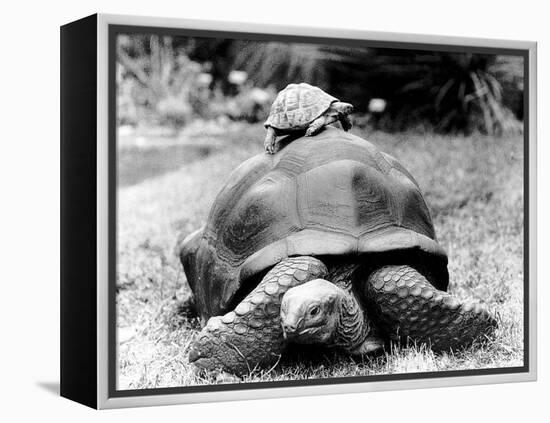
(298, 105)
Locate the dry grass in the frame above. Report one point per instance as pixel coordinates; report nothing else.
(474, 186)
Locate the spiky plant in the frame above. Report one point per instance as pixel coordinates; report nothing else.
(449, 91)
(462, 93)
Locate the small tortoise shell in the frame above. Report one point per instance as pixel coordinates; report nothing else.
(297, 106)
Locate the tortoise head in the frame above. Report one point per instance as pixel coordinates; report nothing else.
(343, 108)
(310, 312)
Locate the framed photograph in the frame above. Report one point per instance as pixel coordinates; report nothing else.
(254, 211)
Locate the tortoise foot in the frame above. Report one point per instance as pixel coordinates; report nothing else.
(270, 141)
(188, 307)
(313, 130)
(251, 336)
(224, 377)
(373, 345)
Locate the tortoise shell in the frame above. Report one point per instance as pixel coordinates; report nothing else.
(333, 196)
(297, 106)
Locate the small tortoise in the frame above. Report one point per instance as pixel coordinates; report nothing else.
(304, 107)
(336, 209)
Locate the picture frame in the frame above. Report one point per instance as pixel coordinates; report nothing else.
(89, 201)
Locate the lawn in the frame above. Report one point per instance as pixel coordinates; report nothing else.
(473, 186)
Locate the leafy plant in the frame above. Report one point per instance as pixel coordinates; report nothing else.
(165, 80)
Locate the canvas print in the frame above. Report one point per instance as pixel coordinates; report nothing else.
(293, 210)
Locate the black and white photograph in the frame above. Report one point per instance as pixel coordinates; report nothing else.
(306, 210)
(233, 211)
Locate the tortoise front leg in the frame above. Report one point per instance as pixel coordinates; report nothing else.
(409, 307)
(318, 124)
(251, 336)
(345, 121)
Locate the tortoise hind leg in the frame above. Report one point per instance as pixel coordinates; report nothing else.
(188, 306)
(251, 335)
(186, 249)
(270, 140)
(412, 308)
(372, 345)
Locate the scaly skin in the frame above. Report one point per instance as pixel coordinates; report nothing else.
(251, 335)
(409, 307)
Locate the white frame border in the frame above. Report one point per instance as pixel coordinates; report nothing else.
(103, 401)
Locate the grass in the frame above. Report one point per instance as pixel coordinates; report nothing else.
(473, 185)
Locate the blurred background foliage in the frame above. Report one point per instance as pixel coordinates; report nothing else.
(176, 81)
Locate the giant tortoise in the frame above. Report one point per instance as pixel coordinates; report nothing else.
(333, 208)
